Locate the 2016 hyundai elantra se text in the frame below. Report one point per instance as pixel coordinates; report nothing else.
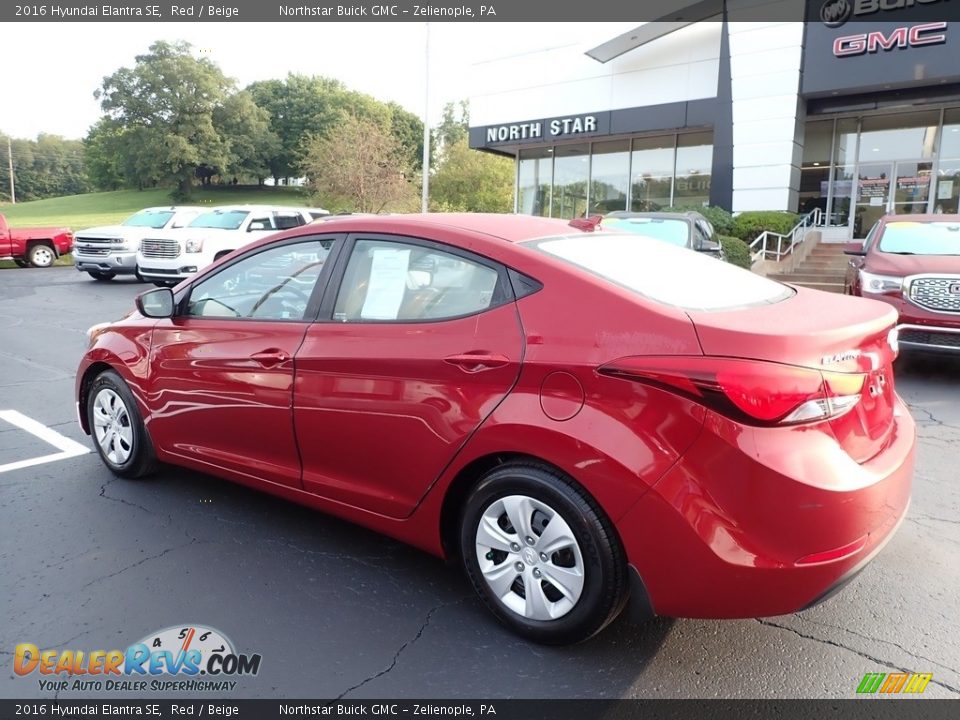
(586, 421)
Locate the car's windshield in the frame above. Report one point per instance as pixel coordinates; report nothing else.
(670, 275)
(220, 219)
(675, 232)
(921, 238)
(155, 219)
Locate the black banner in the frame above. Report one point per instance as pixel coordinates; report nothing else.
(874, 709)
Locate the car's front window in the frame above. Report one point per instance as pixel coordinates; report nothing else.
(275, 284)
(154, 220)
(675, 232)
(220, 219)
(670, 275)
(921, 238)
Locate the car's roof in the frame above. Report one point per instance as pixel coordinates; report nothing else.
(512, 228)
(168, 208)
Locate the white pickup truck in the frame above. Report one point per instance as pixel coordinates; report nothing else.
(111, 250)
(166, 258)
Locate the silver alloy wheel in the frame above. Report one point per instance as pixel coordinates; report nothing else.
(42, 256)
(529, 557)
(111, 424)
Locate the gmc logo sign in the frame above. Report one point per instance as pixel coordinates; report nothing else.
(933, 33)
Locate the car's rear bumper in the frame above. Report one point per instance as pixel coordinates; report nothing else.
(752, 522)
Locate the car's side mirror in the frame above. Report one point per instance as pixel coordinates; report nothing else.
(157, 303)
(854, 249)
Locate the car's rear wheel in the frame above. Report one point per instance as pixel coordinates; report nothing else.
(117, 428)
(542, 555)
(41, 256)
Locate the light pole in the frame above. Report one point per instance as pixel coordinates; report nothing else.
(424, 200)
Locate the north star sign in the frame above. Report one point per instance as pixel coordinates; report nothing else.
(534, 130)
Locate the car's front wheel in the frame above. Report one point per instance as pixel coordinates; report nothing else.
(542, 555)
(104, 276)
(117, 428)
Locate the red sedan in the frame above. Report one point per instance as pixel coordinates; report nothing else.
(912, 262)
(586, 421)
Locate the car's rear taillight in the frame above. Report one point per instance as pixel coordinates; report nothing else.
(754, 392)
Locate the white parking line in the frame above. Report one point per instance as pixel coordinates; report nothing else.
(68, 448)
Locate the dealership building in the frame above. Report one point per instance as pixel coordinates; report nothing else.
(855, 111)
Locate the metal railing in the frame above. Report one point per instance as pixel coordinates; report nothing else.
(770, 245)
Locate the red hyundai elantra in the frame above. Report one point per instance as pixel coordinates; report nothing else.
(586, 421)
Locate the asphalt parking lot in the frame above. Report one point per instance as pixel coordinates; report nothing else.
(92, 562)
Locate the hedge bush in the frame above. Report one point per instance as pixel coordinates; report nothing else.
(736, 251)
(721, 220)
(748, 225)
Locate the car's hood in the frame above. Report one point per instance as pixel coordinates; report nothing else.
(901, 265)
(106, 231)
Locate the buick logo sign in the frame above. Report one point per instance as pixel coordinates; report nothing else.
(834, 13)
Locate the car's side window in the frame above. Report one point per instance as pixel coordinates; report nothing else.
(397, 281)
(260, 223)
(287, 220)
(275, 284)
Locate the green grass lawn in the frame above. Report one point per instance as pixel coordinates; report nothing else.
(78, 212)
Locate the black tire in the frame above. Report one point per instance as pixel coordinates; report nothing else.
(20, 262)
(41, 255)
(604, 574)
(141, 460)
(103, 276)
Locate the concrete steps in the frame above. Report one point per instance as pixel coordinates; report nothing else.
(824, 268)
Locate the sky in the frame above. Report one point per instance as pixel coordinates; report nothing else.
(50, 90)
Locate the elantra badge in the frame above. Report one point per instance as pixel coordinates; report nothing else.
(840, 357)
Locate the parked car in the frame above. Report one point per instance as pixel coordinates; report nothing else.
(111, 250)
(167, 257)
(33, 246)
(912, 262)
(684, 229)
(550, 406)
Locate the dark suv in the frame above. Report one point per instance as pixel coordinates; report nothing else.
(685, 229)
(913, 263)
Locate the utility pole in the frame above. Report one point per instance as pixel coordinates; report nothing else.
(424, 202)
(13, 193)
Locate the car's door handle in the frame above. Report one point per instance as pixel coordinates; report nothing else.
(477, 361)
(270, 357)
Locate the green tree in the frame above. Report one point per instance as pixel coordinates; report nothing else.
(359, 166)
(166, 102)
(45, 167)
(472, 181)
(303, 106)
(245, 127)
(455, 125)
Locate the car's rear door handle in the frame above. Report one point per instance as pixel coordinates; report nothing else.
(477, 362)
(270, 357)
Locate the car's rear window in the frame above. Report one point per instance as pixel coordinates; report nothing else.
(664, 273)
(675, 232)
(921, 238)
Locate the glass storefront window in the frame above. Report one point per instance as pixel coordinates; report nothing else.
(694, 164)
(845, 145)
(652, 173)
(899, 136)
(571, 165)
(817, 141)
(534, 181)
(609, 176)
(842, 193)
